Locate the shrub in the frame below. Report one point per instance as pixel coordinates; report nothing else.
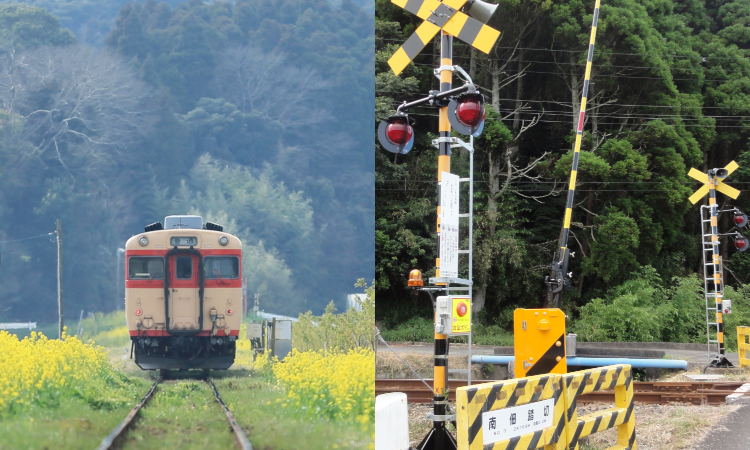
(642, 310)
(101, 323)
(348, 330)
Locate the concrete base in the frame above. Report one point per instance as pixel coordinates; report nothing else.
(739, 396)
(723, 370)
(391, 422)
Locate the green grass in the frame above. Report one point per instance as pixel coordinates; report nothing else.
(421, 329)
(181, 414)
(255, 405)
(74, 424)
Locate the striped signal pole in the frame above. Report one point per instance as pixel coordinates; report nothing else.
(721, 360)
(560, 265)
(438, 438)
(713, 268)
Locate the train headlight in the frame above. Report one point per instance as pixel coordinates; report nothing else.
(143, 241)
(223, 240)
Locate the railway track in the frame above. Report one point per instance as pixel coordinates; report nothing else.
(655, 392)
(243, 443)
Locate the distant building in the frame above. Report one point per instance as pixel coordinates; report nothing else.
(355, 301)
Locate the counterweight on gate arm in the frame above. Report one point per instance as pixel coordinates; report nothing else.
(559, 277)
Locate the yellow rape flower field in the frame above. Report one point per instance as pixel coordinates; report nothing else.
(37, 371)
(337, 385)
(68, 394)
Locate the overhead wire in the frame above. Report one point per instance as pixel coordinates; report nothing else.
(28, 238)
(596, 52)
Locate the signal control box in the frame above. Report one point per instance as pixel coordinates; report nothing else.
(539, 342)
(453, 315)
(726, 306)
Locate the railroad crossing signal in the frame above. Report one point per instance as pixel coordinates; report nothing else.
(718, 178)
(445, 16)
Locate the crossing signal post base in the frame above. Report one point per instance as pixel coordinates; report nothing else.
(438, 439)
(721, 361)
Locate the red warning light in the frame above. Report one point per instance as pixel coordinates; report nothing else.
(229, 311)
(462, 309)
(138, 312)
(399, 133)
(470, 112)
(739, 219)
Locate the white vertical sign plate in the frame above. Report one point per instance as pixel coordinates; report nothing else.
(507, 423)
(448, 225)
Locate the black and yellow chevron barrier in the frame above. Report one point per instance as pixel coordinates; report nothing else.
(542, 412)
(743, 346)
(619, 378)
(476, 404)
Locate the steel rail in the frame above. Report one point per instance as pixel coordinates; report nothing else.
(110, 439)
(712, 393)
(242, 441)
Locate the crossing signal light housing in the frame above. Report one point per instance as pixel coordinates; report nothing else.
(466, 113)
(739, 219)
(719, 174)
(396, 134)
(741, 244)
(482, 11)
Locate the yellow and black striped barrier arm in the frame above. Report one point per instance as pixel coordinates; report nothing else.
(577, 150)
(438, 16)
(473, 401)
(619, 378)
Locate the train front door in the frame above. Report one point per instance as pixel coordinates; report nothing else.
(184, 300)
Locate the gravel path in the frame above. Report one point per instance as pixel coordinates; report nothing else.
(676, 426)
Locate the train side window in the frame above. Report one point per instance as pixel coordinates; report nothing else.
(226, 267)
(184, 267)
(145, 268)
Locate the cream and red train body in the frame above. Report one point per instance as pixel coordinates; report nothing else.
(183, 294)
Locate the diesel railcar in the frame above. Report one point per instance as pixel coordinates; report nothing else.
(183, 294)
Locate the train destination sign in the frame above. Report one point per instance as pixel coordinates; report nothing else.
(178, 241)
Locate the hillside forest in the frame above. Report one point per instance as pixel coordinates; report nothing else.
(670, 90)
(255, 115)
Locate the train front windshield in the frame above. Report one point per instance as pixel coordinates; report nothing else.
(221, 267)
(145, 268)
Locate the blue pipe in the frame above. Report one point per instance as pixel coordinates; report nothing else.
(594, 362)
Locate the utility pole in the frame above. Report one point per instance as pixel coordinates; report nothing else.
(59, 278)
(118, 280)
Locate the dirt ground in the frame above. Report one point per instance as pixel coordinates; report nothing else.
(676, 426)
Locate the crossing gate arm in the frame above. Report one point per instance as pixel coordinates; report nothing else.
(743, 347)
(618, 377)
(539, 420)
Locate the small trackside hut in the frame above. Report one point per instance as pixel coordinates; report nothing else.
(183, 294)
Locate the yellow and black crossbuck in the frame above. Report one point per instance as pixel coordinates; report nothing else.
(438, 16)
(719, 184)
